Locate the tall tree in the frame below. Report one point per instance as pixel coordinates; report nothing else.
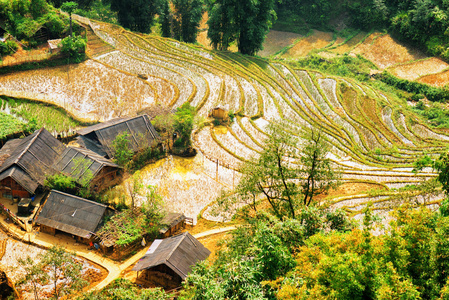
(186, 20)
(69, 7)
(165, 19)
(244, 21)
(137, 15)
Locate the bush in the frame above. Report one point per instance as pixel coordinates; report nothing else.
(74, 47)
(8, 47)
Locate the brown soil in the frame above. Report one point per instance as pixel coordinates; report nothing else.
(276, 41)
(212, 242)
(349, 189)
(438, 80)
(385, 52)
(24, 54)
(417, 69)
(350, 44)
(317, 40)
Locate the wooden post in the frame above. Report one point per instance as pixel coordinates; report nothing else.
(217, 172)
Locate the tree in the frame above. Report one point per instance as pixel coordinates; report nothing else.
(134, 187)
(74, 47)
(64, 271)
(34, 275)
(283, 173)
(183, 123)
(317, 169)
(165, 19)
(137, 15)
(69, 7)
(186, 20)
(122, 151)
(245, 21)
(153, 208)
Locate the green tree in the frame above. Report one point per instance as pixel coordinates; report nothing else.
(165, 19)
(246, 22)
(153, 208)
(134, 187)
(74, 47)
(69, 7)
(64, 271)
(38, 8)
(122, 151)
(317, 169)
(186, 19)
(183, 123)
(137, 15)
(34, 275)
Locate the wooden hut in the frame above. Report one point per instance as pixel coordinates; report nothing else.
(27, 162)
(168, 261)
(53, 45)
(171, 223)
(100, 137)
(219, 112)
(88, 167)
(79, 217)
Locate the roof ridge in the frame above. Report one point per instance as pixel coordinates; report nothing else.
(73, 196)
(29, 145)
(174, 248)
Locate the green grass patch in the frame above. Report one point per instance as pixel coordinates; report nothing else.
(435, 114)
(51, 117)
(9, 125)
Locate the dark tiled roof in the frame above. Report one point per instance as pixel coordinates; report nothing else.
(35, 155)
(82, 163)
(170, 220)
(21, 178)
(71, 214)
(179, 253)
(8, 149)
(141, 131)
(92, 145)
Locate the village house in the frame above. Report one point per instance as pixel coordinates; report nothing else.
(99, 138)
(25, 163)
(70, 214)
(88, 167)
(219, 112)
(168, 262)
(172, 223)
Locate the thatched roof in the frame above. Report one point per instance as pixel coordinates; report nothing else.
(179, 253)
(141, 131)
(71, 214)
(76, 162)
(35, 156)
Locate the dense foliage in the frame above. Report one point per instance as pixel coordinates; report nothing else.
(183, 124)
(24, 18)
(280, 260)
(7, 48)
(246, 22)
(137, 15)
(124, 289)
(74, 47)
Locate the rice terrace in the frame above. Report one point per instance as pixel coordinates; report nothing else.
(374, 130)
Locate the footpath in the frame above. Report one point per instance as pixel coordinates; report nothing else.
(114, 268)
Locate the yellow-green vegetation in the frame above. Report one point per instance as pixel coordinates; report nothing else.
(49, 116)
(9, 125)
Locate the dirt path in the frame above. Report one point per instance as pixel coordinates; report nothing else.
(214, 231)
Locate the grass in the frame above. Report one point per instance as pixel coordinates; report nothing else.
(49, 116)
(9, 125)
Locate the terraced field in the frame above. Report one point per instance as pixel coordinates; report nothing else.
(374, 137)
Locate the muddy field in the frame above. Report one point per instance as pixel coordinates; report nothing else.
(317, 40)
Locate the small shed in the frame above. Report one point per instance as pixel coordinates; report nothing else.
(171, 223)
(53, 45)
(168, 262)
(219, 112)
(70, 214)
(24, 206)
(100, 137)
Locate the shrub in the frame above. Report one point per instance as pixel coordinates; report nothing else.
(8, 47)
(74, 47)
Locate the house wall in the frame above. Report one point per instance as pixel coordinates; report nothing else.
(49, 230)
(107, 177)
(162, 275)
(16, 189)
(174, 229)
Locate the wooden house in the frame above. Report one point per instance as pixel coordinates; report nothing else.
(88, 167)
(100, 137)
(172, 223)
(79, 217)
(168, 262)
(219, 112)
(27, 162)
